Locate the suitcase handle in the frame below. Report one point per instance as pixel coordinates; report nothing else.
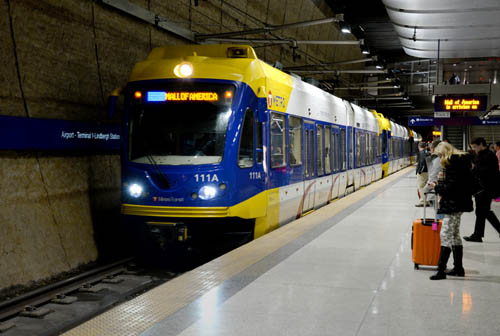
(425, 206)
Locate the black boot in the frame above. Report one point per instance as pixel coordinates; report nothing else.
(443, 260)
(458, 269)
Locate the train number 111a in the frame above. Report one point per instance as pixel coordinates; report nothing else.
(206, 178)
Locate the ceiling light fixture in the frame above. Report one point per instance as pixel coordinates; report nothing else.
(345, 28)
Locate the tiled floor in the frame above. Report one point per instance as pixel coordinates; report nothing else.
(357, 278)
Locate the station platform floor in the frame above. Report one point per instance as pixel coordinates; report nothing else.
(345, 269)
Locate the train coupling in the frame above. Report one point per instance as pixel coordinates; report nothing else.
(168, 232)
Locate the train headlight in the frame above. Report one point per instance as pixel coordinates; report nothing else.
(207, 192)
(185, 69)
(135, 190)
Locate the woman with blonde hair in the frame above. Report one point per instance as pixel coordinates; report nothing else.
(454, 187)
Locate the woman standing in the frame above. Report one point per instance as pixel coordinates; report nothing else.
(455, 187)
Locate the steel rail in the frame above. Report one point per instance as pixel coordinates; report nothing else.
(47, 293)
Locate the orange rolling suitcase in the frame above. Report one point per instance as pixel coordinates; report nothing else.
(425, 241)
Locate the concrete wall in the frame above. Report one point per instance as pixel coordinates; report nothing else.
(60, 59)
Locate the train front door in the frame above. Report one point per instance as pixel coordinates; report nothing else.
(309, 166)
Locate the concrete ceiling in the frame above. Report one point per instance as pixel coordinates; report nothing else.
(465, 28)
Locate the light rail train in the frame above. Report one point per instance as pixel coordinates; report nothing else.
(216, 140)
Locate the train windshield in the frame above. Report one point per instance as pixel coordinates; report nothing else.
(181, 124)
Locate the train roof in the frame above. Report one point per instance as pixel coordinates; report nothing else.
(365, 119)
(240, 63)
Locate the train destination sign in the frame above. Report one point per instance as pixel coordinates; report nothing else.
(460, 103)
(159, 96)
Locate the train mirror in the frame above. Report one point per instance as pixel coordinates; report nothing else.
(112, 100)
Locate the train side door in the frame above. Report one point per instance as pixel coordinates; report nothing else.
(309, 166)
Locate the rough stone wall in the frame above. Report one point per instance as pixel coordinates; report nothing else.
(60, 59)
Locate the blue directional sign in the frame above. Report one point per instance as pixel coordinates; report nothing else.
(464, 121)
(18, 133)
(421, 121)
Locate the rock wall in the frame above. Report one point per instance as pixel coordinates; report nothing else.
(60, 59)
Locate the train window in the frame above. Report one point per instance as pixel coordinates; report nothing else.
(295, 140)
(319, 149)
(328, 150)
(342, 149)
(310, 158)
(258, 137)
(363, 149)
(379, 144)
(334, 150)
(245, 156)
(350, 144)
(368, 149)
(278, 140)
(358, 149)
(307, 153)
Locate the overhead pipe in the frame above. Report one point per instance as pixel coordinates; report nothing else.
(367, 87)
(283, 41)
(377, 98)
(373, 71)
(270, 28)
(363, 60)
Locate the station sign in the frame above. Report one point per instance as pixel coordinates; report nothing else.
(442, 114)
(460, 103)
(464, 121)
(20, 133)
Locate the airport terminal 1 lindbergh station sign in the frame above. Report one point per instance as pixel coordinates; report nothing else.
(460, 103)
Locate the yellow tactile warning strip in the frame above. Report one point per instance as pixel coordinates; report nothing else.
(143, 312)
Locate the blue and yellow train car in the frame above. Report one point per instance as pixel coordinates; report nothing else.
(216, 140)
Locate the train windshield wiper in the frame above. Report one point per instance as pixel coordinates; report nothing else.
(158, 171)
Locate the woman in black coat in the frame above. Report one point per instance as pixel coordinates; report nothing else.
(454, 187)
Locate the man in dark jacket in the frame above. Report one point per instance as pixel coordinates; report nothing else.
(486, 171)
(422, 172)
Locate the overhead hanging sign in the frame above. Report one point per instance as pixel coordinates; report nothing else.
(465, 121)
(442, 114)
(460, 103)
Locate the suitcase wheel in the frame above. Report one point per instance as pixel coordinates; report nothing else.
(416, 266)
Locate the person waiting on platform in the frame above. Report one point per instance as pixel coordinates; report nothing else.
(497, 151)
(486, 171)
(434, 167)
(454, 189)
(421, 172)
(454, 79)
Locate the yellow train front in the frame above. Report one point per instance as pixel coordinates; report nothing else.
(218, 142)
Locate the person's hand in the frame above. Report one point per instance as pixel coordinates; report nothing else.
(432, 184)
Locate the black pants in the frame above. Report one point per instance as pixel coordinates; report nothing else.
(483, 213)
